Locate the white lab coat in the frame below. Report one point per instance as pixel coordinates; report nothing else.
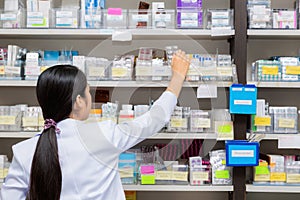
(88, 154)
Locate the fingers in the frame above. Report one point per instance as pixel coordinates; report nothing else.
(181, 54)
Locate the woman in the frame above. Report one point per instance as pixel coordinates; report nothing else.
(74, 160)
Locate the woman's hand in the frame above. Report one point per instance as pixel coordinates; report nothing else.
(180, 65)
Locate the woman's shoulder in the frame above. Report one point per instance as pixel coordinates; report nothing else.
(26, 146)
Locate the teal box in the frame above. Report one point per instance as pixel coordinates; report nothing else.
(240, 153)
(242, 99)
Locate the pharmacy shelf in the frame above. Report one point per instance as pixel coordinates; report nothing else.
(107, 33)
(139, 84)
(169, 136)
(274, 136)
(273, 34)
(175, 188)
(272, 188)
(17, 134)
(276, 84)
(207, 136)
(178, 188)
(17, 83)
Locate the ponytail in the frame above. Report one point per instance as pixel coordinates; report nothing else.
(45, 176)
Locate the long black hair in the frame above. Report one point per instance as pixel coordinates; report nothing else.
(57, 89)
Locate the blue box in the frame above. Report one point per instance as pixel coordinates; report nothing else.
(242, 99)
(240, 153)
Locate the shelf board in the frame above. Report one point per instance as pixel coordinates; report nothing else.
(273, 34)
(176, 188)
(144, 84)
(272, 188)
(168, 136)
(106, 33)
(274, 136)
(17, 134)
(179, 188)
(276, 84)
(207, 136)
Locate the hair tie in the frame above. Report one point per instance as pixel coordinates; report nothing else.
(51, 123)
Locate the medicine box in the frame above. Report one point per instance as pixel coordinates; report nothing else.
(268, 70)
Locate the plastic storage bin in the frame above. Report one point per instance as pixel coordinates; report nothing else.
(284, 19)
(38, 19)
(12, 72)
(127, 168)
(200, 121)
(161, 71)
(219, 18)
(200, 171)
(12, 19)
(221, 174)
(31, 119)
(115, 18)
(180, 174)
(66, 18)
(11, 117)
(139, 19)
(259, 14)
(179, 121)
(284, 119)
(122, 68)
(93, 18)
(163, 19)
(97, 68)
(189, 18)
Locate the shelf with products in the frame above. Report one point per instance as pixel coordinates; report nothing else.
(185, 188)
(272, 188)
(107, 33)
(275, 84)
(175, 188)
(273, 34)
(143, 84)
(210, 136)
(273, 136)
